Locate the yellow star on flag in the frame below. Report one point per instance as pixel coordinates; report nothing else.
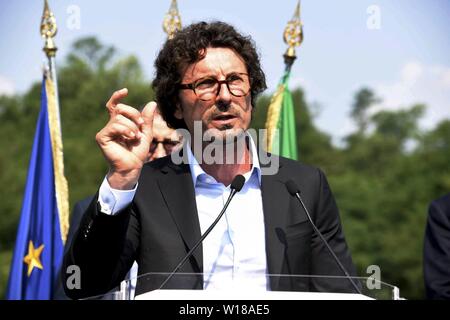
(32, 259)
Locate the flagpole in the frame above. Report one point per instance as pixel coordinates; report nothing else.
(293, 37)
(281, 137)
(48, 31)
(172, 20)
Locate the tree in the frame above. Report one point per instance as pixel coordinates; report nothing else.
(362, 102)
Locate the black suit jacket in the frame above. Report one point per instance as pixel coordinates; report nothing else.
(437, 250)
(161, 224)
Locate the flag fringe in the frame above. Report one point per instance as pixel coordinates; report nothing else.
(61, 185)
(273, 115)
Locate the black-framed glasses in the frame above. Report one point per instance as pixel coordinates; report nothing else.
(167, 144)
(208, 88)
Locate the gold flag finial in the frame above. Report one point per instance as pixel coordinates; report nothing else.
(48, 30)
(172, 20)
(293, 36)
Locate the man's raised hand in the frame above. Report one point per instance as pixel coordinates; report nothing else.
(125, 140)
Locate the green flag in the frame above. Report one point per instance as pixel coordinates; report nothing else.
(280, 123)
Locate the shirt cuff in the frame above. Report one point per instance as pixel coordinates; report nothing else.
(113, 200)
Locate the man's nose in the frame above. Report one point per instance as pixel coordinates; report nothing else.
(223, 98)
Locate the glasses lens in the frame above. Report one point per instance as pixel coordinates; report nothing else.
(206, 88)
(206, 84)
(239, 84)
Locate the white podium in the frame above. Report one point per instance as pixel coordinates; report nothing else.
(248, 296)
(192, 286)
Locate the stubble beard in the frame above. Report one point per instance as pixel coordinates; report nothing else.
(224, 135)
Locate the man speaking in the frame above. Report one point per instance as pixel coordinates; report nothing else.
(207, 80)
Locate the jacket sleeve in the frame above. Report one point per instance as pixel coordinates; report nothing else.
(326, 217)
(103, 249)
(437, 252)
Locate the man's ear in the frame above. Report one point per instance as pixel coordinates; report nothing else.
(178, 111)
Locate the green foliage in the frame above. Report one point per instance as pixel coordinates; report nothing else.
(5, 258)
(399, 125)
(386, 189)
(381, 185)
(364, 99)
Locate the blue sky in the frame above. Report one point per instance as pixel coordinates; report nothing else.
(406, 60)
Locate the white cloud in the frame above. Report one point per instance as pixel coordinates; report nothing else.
(418, 83)
(411, 73)
(6, 86)
(446, 79)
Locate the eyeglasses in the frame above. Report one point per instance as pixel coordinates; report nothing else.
(168, 145)
(208, 88)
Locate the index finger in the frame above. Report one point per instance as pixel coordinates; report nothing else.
(115, 98)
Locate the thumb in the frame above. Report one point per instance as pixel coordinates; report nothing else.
(147, 114)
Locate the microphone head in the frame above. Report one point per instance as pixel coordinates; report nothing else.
(237, 183)
(292, 187)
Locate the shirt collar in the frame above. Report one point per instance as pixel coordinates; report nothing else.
(197, 170)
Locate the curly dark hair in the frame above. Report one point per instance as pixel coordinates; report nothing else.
(188, 46)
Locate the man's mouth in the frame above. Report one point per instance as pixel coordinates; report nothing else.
(223, 118)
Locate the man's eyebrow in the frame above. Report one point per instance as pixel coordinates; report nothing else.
(210, 75)
(232, 73)
(203, 77)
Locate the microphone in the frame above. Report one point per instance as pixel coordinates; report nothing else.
(236, 186)
(295, 191)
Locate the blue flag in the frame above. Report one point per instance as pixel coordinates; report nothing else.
(40, 239)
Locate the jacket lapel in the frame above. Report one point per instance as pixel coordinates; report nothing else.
(275, 206)
(178, 191)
